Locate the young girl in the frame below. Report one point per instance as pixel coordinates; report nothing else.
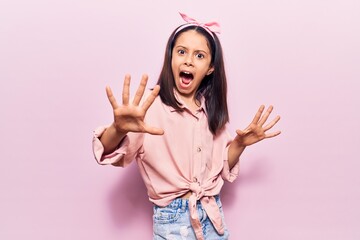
(177, 134)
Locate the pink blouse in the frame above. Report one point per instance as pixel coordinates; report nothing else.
(188, 157)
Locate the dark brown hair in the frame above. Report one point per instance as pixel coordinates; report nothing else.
(213, 87)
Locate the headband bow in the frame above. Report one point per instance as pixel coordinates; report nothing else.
(212, 27)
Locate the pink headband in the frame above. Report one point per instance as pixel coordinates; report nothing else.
(211, 27)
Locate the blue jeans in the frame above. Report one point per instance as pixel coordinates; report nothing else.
(173, 222)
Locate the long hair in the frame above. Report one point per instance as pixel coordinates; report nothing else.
(213, 87)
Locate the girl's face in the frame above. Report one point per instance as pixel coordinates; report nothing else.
(190, 63)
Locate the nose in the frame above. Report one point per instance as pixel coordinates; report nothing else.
(189, 60)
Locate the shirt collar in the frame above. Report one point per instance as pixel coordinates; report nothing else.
(183, 104)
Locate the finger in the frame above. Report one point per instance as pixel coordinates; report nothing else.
(140, 91)
(258, 114)
(111, 97)
(239, 132)
(150, 99)
(126, 90)
(243, 132)
(272, 123)
(154, 130)
(266, 115)
(274, 134)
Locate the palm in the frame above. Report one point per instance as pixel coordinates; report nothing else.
(129, 117)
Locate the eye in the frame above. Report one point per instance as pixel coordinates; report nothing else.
(181, 52)
(200, 55)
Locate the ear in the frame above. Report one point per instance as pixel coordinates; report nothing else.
(210, 71)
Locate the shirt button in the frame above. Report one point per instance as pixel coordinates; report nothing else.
(199, 149)
(195, 179)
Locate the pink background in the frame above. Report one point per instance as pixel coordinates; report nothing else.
(56, 57)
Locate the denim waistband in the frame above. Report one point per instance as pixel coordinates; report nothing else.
(183, 204)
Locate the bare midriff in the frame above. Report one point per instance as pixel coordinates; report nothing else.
(186, 195)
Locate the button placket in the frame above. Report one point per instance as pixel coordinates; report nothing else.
(198, 154)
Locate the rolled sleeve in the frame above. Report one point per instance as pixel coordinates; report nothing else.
(114, 158)
(229, 174)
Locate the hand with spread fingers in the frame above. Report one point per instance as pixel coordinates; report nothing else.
(256, 131)
(129, 117)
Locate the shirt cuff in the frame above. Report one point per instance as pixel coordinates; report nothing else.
(114, 157)
(230, 174)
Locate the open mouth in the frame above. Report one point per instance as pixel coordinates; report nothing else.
(186, 77)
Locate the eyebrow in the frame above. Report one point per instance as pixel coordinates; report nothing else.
(199, 50)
